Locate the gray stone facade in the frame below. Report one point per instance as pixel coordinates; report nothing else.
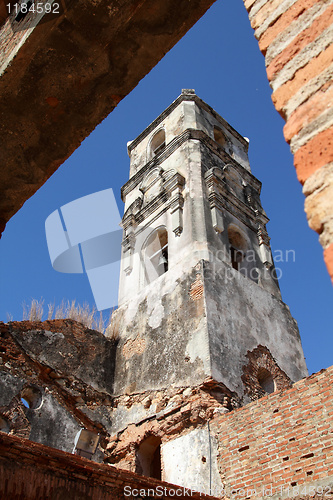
(219, 298)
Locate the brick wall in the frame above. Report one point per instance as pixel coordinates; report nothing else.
(282, 443)
(31, 471)
(296, 38)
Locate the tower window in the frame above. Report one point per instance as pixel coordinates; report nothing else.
(236, 257)
(157, 143)
(266, 381)
(148, 458)
(156, 259)
(219, 136)
(237, 247)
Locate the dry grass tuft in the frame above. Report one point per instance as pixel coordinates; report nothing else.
(35, 311)
(113, 329)
(89, 317)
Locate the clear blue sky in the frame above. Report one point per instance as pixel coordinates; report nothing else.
(220, 59)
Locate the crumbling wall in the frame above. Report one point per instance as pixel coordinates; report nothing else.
(35, 472)
(163, 339)
(241, 316)
(55, 378)
(296, 38)
(179, 330)
(166, 414)
(178, 418)
(279, 445)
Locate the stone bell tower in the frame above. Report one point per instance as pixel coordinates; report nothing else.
(198, 297)
(201, 325)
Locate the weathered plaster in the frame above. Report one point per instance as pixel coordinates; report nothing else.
(191, 461)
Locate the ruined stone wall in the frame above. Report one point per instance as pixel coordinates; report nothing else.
(280, 444)
(56, 377)
(35, 472)
(296, 38)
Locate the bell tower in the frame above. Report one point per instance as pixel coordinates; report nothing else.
(198, 298)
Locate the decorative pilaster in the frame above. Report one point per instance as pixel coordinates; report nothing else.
(213, 178)
(263, 239)
(174, 187)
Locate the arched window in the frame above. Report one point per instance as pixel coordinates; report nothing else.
(156, 254)
(237, 247)
(157, 143)
(219, 136)
(266, 380)
(31, 397)
(148, 458)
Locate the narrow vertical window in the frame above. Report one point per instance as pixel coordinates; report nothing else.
(219, 137)
(156, 258)
(237, 246)
(236, 257)
(157, 143)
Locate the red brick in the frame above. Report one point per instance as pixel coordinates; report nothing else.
(249, 4)
(307, 112)
(314, 67)
(328, 258)
(314, 154)
(297, 44)
(283, 22)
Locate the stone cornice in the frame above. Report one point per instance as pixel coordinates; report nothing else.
(246, 217)
(218, 188)
(222, 198)
(157, 160)
(227, 159)
(170, 197)
(174, 145)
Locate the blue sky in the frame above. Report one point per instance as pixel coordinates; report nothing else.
(220, 59)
